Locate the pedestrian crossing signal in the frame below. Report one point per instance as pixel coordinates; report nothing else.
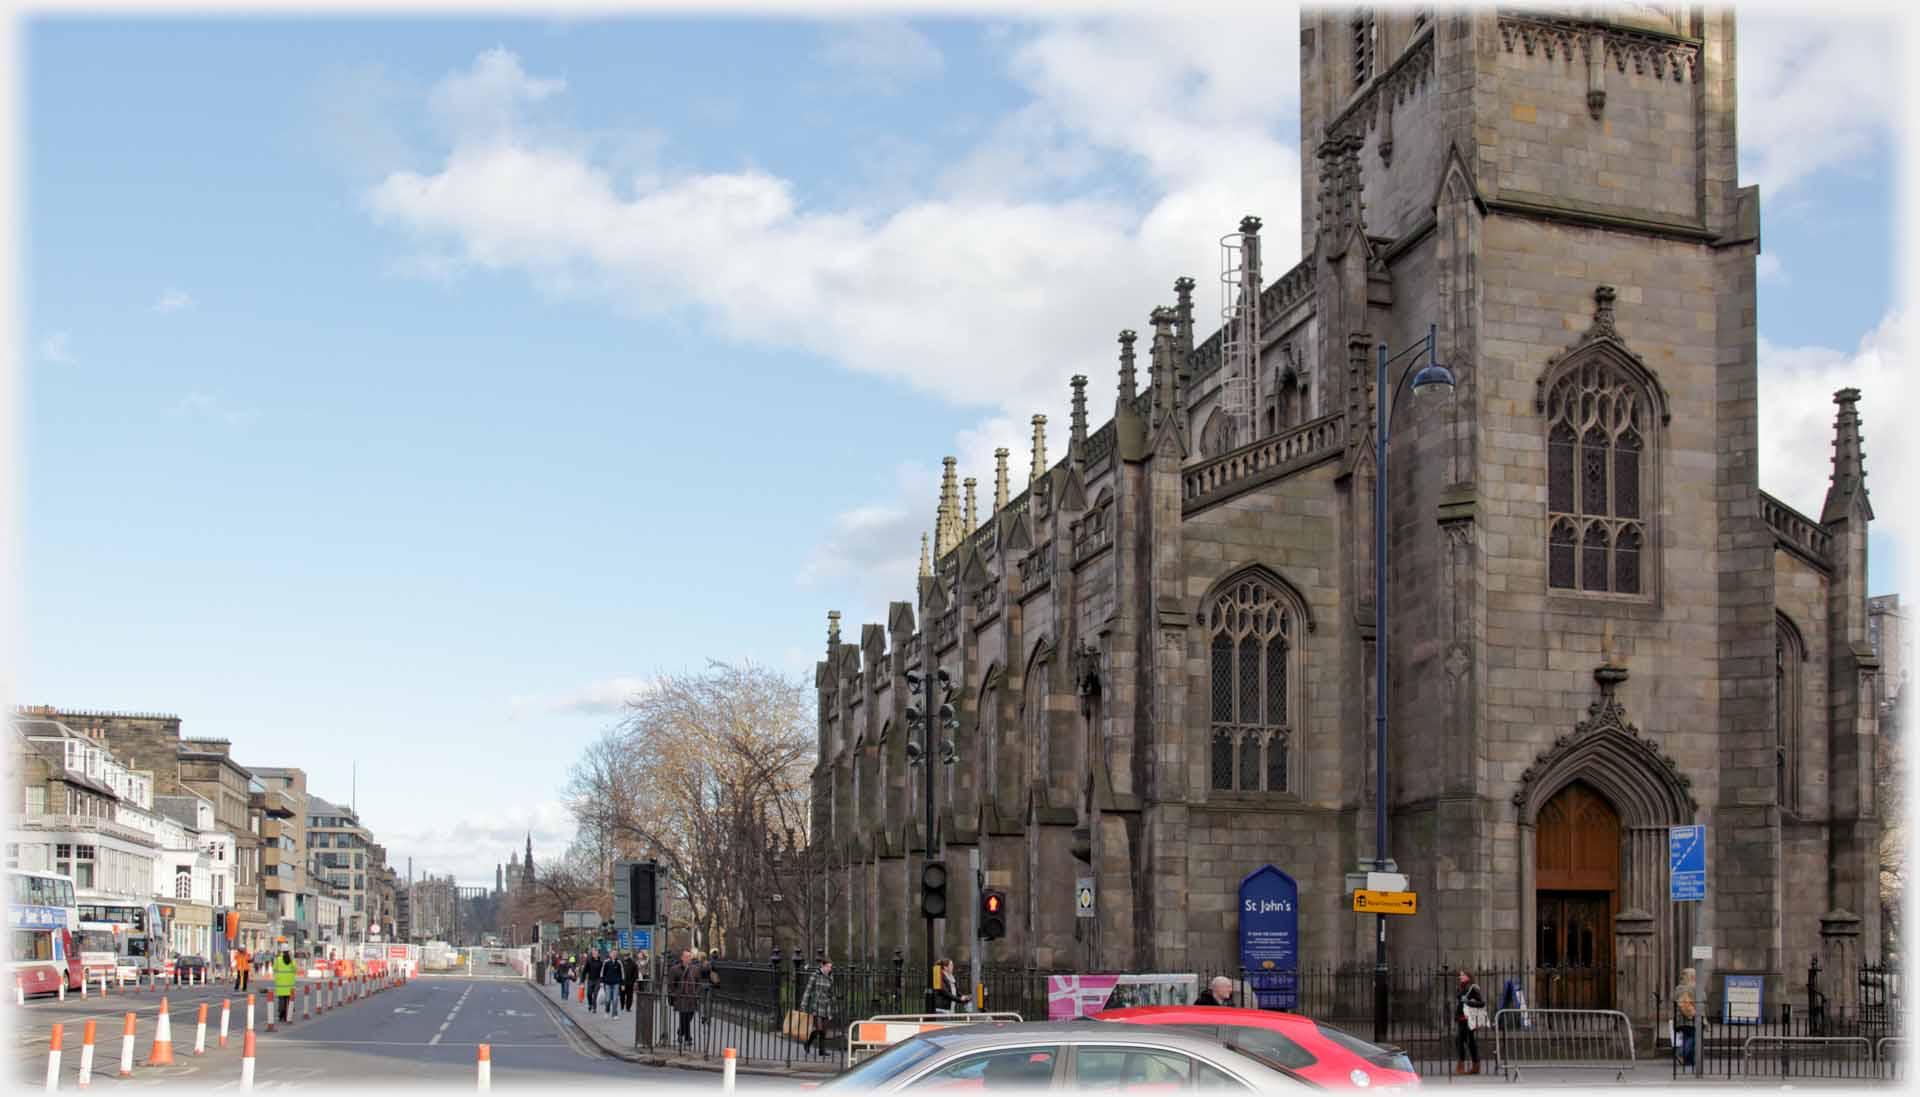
(933, 890)
(993, 914)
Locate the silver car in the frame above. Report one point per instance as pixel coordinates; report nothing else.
(1064, 1055)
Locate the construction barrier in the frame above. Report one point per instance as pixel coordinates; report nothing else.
(53, 1058)
(226, 1011)
(868, 1036)
(486, 1065)
(1565, 1039)
(246, 1063)
(200, 1032)
(126, 1049)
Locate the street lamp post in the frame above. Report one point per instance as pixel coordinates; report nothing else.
(922, 754)
(1431, 376)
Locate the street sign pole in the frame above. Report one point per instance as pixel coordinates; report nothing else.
(1687, 873)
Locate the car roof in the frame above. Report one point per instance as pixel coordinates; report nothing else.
(1208, 1015)
(1064, 1032)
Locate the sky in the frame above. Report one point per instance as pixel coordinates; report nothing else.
(396, 397)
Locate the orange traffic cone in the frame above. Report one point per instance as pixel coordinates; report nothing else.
(162, 1053)
(583, 992)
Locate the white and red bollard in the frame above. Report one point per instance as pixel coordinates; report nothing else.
(200, 1032)
(126, 1049)
(726, 1070)
(246, 1063)
(249, 1011)
(53, 1058)
(226, 1012)
(486, 1067)
(306, 1002)
(86, 1055)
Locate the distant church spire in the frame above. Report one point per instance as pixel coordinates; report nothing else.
(527, 865)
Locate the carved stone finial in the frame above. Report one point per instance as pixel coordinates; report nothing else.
(1849, 476)
(1077, 439)
(833, 626)
(1250, 225)
(1129, 383)
(949, 532)
(1039, 468)
(1000, 479)
(1603, 298)
(966, 521)
(926, 566)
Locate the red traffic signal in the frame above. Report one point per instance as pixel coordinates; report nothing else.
(993, 914)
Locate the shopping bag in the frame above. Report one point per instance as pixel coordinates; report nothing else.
(799, 1024)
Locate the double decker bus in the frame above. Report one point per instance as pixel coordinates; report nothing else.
(42, 924)
(122, 939)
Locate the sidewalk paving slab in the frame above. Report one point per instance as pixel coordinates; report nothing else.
(614, 1035)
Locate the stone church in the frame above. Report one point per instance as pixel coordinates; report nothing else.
(1600, 625)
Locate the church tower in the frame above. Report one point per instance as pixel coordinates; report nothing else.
(1556, 192)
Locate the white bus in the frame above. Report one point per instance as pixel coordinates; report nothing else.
(122, 939)
(42, 925)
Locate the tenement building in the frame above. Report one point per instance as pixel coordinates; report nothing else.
(1600, 625)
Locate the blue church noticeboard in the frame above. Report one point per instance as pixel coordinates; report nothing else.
(1270, 937)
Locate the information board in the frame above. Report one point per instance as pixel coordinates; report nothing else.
(1687, 863)
(1744, 998)
(1269, 937)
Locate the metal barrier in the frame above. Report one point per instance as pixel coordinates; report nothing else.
(868, 1036)
(1565, 1039)
(1822, 1065)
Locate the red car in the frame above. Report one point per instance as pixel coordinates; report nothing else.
(1321, 1054)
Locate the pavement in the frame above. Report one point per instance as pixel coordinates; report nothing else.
(426, 1032)
(763, 1054)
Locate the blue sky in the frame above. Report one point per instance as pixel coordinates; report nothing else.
(402, 393)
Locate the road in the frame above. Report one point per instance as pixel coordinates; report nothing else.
(423, 1034)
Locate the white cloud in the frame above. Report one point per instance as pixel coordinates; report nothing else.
(173, 301)
(989, 293)
(1767, 268)
(1815, 93)
(1796, 420)
(215, 408)
(606, 697)
(57, 347)
(882, 54)
(470, 847)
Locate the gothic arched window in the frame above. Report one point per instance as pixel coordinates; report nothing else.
(1253, 629)
(1216, 437)
(1788, 651)
(1598, 419)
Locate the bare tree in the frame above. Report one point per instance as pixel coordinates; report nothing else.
(1890, 779)
(703, 773)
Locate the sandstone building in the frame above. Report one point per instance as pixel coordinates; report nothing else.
(1601, 626)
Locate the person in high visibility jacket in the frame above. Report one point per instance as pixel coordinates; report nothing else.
(242, 969)
(283, 975)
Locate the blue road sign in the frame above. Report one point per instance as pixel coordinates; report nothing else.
(1687, 862)
(1269, 937)
(636, 939)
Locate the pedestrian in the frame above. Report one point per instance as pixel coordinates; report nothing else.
(629, 981)
(283, 976)
(683, 993)
(242, 969)
(1469, 1013)
(817, 1001)
(563, 972)
(1686, 1015)
(947, 996)
(613, 978)
(1219, 992)
(592, 977)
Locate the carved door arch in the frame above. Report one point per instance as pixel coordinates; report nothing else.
(1577, 894)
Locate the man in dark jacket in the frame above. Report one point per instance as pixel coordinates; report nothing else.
(613, 978)
(1219, 992)
(629, 979)
(590, 974)
(683, 992)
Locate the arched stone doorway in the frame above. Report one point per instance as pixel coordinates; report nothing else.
(1576, 895)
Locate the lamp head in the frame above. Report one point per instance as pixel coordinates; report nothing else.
(913, 679)
(913, 753)
(1434, 379)
(913, 714)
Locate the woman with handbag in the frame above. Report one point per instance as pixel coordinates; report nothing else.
(818, 1001)
(1469, 1014)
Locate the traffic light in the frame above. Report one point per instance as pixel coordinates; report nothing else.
(933, 890)
(993, 914)
(640, 893)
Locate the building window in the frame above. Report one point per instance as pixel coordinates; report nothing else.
(36, 799)
(1252, 631)
(183, 883)
(1597, 424)
(1788, 652)
(1363, 57)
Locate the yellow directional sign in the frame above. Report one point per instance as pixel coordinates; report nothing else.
(1384, 902)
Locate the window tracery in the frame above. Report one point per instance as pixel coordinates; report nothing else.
(1597, 422)
(1253, 630)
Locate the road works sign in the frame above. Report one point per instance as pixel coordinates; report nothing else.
(1384, 902)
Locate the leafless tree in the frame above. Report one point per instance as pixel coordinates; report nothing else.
(703, 772)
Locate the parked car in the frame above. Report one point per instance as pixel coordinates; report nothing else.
(1062, 1054)
(189, 967)
(1320, 1053)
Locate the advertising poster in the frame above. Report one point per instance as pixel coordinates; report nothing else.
(1071, 996)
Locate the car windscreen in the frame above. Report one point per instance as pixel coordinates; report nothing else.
(1369, 1051)
(1268, 1044)
(886, 1066)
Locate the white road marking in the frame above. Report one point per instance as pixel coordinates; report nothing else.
(450, 1016)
